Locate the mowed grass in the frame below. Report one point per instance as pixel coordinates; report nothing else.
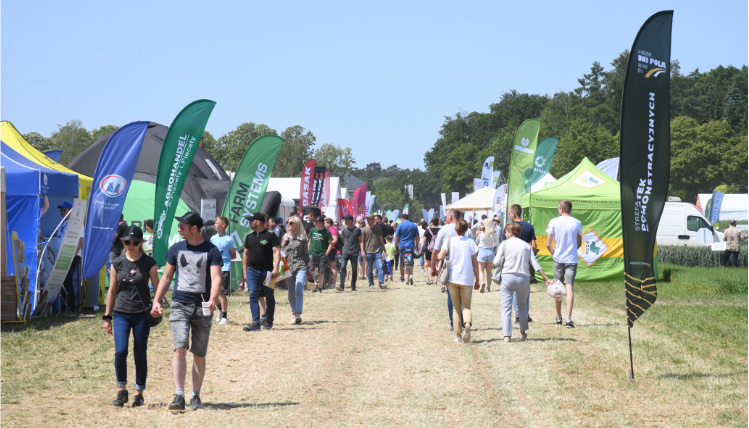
(385, 358)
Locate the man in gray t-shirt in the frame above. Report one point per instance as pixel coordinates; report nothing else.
(353, 244)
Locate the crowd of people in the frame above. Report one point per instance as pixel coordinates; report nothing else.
(321, 252)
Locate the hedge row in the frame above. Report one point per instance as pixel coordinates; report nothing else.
(696, 256)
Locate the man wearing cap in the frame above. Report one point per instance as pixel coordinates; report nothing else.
(374, 248)
(195, 265)
(320, 245)
(261, 257)
(71, 301)
(353, 244)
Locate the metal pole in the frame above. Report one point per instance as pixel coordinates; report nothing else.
(631, 364)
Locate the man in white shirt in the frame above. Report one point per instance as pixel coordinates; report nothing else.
(564, 238)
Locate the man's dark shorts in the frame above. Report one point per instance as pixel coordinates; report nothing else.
(225, 283)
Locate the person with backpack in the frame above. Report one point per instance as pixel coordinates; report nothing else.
(430, 237)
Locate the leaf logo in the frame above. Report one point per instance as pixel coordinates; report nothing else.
(655, 72)
(540, 161)
(525, 142)
(113, 185)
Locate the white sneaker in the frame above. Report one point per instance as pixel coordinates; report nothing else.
(219, 315)
(458, 339)
(467, 334)
(224, 321)
(293, 319)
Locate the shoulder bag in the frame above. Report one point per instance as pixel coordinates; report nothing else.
(497, 277)
(445, 269)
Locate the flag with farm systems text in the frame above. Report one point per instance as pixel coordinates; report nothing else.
(250, 182)
(114, 173)
(521, 160)
(545, 150)
(325, 193)
(306, 185)
(177, 153)
(360, 195)
(644, 152)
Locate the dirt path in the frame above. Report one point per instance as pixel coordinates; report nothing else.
(378, 358)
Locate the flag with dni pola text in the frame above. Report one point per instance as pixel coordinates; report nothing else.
(644, 152)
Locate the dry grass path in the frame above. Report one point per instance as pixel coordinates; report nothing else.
(386, 358)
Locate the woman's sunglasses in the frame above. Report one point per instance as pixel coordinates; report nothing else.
(129, 243)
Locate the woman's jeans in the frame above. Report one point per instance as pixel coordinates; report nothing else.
(122, 323)
(296, 290)
(519, 284)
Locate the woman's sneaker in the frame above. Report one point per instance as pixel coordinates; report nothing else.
(121, 398)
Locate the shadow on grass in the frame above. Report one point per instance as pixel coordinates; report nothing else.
(325, 322)
(229, 406)
(690, 376)
(529, 339)
(46, 323)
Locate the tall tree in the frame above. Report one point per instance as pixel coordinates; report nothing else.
(583, 140)
(38, 141)
(295, 152)
(230, 148)
(101, 131)
(72, 138)
(338, 160)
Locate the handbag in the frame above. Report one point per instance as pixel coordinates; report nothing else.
(150, 320)
(497, 276)
(445, 269)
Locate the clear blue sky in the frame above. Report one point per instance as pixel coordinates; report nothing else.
(378, 77)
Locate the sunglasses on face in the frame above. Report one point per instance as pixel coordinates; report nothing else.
(129, 243)
(184, 226)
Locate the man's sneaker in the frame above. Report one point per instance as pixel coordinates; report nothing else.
(353, 288)
(383, 286)
(298, 319)
(530, 319)
(559, 320)
(195, 402)
(263, 318)
(219, 316)
(569, 324)
(138, 400)
(252, 327)
(121, 398)
(178, 404)
(338, 288)
(371, 286)
(403, 279)
(267, 325)
(224, 321)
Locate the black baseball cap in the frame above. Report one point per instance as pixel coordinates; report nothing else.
(192, 218)
(256, 216)
(348, 217)
(132, 233)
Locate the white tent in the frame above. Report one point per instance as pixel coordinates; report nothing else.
(610, 167)
(543, 182)
(735, 206)
(482, 199)
(289, 188)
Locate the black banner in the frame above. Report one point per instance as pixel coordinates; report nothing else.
(645, 150)
(317, 186)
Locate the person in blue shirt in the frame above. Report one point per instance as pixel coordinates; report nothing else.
(406, 234)
(228, 248)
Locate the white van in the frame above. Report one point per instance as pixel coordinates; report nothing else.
(683, 224)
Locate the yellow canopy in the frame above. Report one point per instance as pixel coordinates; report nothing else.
(15, 140)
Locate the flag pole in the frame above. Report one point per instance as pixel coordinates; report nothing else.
(631, 364)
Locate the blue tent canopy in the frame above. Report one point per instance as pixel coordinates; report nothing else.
(26, 183)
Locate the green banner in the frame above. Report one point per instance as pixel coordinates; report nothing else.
(523, 154)
(544, 155)
(248, 187)
(644, 152)
(179, 148)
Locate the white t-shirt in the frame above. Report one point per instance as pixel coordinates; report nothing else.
(565, 230)
(462, 248)
(488, 242)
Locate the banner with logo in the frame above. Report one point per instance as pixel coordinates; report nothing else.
(177, 152)
(644, 152)
(487, 171)
(442, 211)
(498, 203)
(405, 209)
(389, 215)
(717, 201)
(456, 197)
(360, 195)
(344, 209)
(495, 178)
(444, 199)
(395, 214)
(247, 189)
(427, 215)
(521, 159)
(306, 184)
(317, 184)
(114, 173)
(65, 254)
(477, 184)
(370, 203)
(325, 193)
(544, 155)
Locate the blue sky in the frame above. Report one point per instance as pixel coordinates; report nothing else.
(378, 77)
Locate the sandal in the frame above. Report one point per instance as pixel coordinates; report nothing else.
(444, 288)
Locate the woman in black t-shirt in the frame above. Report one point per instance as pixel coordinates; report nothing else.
(430, 235)
(128, 298)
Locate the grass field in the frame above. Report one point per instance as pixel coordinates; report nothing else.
(385, 358)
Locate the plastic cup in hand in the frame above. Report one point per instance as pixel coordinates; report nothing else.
(207, 309)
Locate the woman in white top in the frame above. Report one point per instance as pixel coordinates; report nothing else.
(462, 252)
(487, 241)
(518, 256)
